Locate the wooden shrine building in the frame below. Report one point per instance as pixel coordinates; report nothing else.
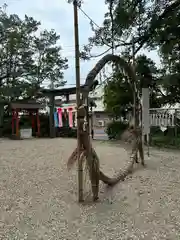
(31, 108)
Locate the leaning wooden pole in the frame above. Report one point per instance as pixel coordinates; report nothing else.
(77, 65)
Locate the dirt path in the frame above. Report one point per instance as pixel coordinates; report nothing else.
(38, 196)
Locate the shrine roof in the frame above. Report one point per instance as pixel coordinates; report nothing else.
(30, 104)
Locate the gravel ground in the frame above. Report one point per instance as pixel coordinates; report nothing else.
(38, 197)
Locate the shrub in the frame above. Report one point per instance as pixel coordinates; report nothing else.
(7, 126)
(115, 129)
(67, 132)
(44, 125)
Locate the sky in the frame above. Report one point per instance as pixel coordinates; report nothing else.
(58, 15)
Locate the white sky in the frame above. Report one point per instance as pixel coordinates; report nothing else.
(58, 14)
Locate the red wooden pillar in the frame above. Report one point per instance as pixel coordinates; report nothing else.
(17, 123)
(38, 123)
(70, 117)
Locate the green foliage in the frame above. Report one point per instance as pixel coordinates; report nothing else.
(44, 123)
(142, 23)
(67, 132)
(165, 142)
(118, 95)
(167, 39)
(115, 129)
(129, 21)
(6, 130)
(166, 139)
(27, 59)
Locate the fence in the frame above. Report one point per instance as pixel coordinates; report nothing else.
(164, 127)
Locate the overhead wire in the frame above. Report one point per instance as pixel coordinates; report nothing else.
(98, 55)
(93, 22)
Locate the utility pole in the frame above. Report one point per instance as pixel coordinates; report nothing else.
(77, 65)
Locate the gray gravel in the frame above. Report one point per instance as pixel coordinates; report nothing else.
(38, 197)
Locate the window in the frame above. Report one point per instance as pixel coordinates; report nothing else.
(101, 123)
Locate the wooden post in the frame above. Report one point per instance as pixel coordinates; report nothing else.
(75, 118)
(13, 118)
(31, 116)
(92, 124)
(38, 123)
(135, 93)
(67, 98)
(77, 65)
(135, 96)
(145, 115)
(17, 123)
(1, 118)
(51, 116)
(175, 128)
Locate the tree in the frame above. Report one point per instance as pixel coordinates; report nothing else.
(118, 96)
(26, 59)
(167, 38)
(154, 25)
(130, 22)
(48, 63)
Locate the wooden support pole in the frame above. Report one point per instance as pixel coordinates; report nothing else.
(175, 128)
(13, 118)
(92, 124)
(38, 123)
(51, 116)
(17, 123)
(135, 95)
(1, 118)
(77, 65)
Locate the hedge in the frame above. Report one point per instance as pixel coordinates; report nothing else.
(115, 129)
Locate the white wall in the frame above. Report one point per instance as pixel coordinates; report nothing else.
(98, 93)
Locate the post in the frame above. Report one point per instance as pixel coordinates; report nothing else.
(51, 116)
(1, 118)
(13, 120)
(38, 123)
(17, 123)
(175, 128)
(136, 106)
(92, 124)
(77, 65)
(145, 115)
(31, 116)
